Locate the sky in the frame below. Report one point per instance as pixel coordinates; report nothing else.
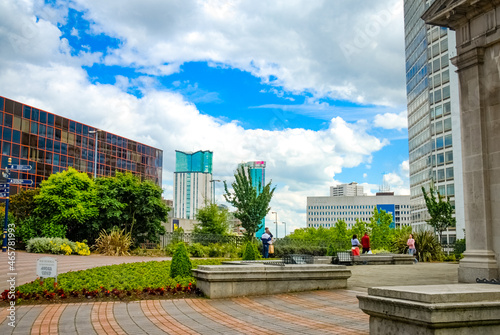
(314, 88)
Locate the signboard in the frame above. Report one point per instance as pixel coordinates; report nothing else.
(4, 185)
(46, 267)
(19, 167)
(20, 181)
(4, 194)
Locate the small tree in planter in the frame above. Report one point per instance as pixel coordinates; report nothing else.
(181, 264)
(250, 252)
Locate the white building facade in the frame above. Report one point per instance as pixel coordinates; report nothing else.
(326, 211)
(346, 189)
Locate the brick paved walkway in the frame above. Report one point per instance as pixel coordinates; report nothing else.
(318, 312)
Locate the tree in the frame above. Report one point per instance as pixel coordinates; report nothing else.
(340, 231)
(132, 205)
(66, 205)
(212, 220)
(441, 211)
(22, 204)
(360, 228)
(252, 203)
(380, 225)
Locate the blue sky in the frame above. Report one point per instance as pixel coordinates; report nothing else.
(314, 88)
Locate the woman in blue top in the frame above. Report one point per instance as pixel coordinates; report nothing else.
(355, 245)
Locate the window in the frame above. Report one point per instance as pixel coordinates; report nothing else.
(446, 92)
(447, 124)
(439, 127)
(448, 140)
(439, 111)
(449, 173)
(439, 142)
(446, 76)
(449, 156)
(440, 159)
(447, 108)
(450, 189)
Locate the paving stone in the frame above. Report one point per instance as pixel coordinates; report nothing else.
(83, 320)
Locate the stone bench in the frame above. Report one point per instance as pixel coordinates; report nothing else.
(224, 281)
(382, 259)
(433, 309)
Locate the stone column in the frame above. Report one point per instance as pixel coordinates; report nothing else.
(478, 114)
(478, 63)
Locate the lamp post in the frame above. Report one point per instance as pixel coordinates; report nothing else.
(285, 227)
(213, 188)
(95, 150)
(276, 222)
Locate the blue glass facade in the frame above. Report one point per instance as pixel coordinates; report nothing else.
(257, 171)
(200, 161)
(50, 143)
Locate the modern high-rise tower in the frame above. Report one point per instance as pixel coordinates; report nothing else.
(257, 171)
(192, 182)
(433, 115)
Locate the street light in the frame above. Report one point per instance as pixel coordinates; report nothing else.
(213, 188)
(276, 221)
(285, 227)
(95, 150)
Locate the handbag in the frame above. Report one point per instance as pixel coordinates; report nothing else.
(271, 249)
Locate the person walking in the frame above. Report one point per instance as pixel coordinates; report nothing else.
(266, 238)
(365, 243)
(411, 246)
(355, 245)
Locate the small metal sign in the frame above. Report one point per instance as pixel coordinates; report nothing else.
(46, 267)
(4, 195)
(20, 181)
(4, 185)
(19, 167)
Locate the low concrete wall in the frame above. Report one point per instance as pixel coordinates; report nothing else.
(383, 259)
(224, 281)
(456, 309)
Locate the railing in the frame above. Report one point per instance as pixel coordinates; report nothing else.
(200, 238)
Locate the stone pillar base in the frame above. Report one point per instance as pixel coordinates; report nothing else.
(477, 264)
(456, 309)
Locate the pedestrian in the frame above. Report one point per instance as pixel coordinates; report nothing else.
(266, 238)
(355, 245)
(411, 246)
(365, 243)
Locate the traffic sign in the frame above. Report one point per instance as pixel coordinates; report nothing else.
(4, 195)
(4, 185)
(20, 181)
(19, 167)
(4, 190)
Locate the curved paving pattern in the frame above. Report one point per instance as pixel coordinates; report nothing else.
(318, 312)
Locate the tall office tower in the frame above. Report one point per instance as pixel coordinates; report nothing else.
(192, 182)
(257, 171)
(433, 116)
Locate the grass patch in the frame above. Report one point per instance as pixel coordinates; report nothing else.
(130, 281)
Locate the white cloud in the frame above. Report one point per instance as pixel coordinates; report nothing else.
(300, 44)
(391, 121)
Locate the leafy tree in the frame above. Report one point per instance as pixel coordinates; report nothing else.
(380, 226)
(22, 204)
(181, 264)
(360, 228)
(212, 220)
(340, 231)
(132, 205)
(252, 203)
(250, 252)
(66, 205)
(441, 211)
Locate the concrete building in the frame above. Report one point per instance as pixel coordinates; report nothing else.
(192, 182)
(50, 143)
(257, 171)
(433, 116)
(351, 189)
(477, 60)
(326, 211)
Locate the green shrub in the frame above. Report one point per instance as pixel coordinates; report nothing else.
(116, 243)
(428, 246)
(250, 252)
(181, 264)
(450, 258)
(197, 250)
(399, 238)
(459, 247)
(56, 245)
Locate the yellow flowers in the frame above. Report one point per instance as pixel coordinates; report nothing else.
(82, 249)
(67, 249)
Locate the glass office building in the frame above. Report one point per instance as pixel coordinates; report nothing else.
(433, 115)
(51, 143)
(257, 171)
(193, 184)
